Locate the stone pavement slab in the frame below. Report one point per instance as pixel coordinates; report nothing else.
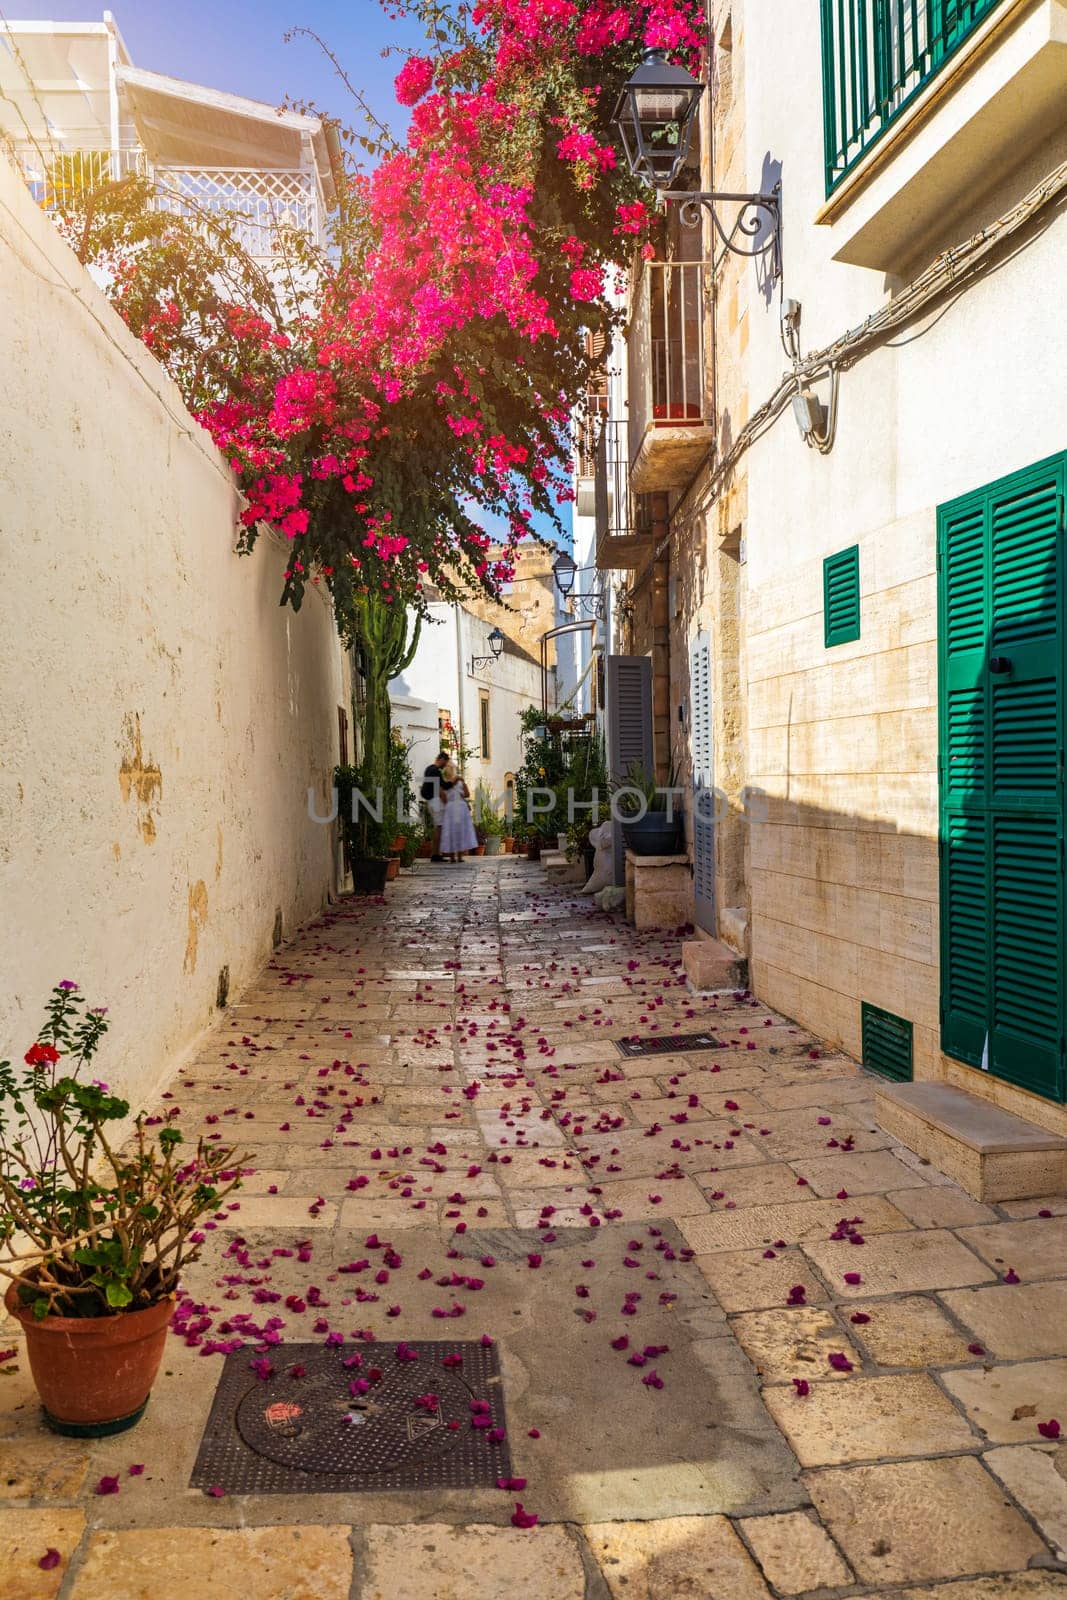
(1014, 1321)
(1008, 1402)
(1038, 1480)
(685, 1558)
(898, 1263)
(796, 1553)
(911, 1330)
(910, 1521)
(432, 1561)
(25, 1537)
(868, 1418)
(271, 1563)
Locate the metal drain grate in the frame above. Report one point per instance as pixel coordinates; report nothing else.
(671, 1044)
(310, 1435)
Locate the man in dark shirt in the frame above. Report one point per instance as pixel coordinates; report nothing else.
(433, 789)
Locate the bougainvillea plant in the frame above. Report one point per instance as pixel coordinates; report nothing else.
(414, 385)
(88, 1227)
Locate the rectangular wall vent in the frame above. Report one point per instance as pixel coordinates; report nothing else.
(841, 596)
(887, 1044)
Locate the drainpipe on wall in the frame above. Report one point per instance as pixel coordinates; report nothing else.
(460, 678)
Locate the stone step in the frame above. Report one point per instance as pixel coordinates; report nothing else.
(711, 965)
(989, 1152)
(559, 869)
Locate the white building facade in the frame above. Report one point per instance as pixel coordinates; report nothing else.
(849, 584)
(456, 693)
(77, 113)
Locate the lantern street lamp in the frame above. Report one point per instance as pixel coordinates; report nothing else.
(496, 645)
(563, 570)
(655, 115)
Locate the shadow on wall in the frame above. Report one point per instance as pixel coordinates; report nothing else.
(770, 179)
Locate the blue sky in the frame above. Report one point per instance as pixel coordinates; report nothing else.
(238, 45)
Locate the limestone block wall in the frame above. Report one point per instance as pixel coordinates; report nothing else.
(844, 870)
(161, 717)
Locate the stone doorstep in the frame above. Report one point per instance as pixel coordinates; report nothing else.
(990, 1153)
(711, 965)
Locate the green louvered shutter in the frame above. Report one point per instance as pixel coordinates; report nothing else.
(841, 596)
(1001, 634)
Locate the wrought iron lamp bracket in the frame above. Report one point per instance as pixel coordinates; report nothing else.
(588, 605)
(482, 661)
(757, 225)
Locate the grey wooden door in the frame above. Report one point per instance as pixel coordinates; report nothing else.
(703, 797)
(629, 720)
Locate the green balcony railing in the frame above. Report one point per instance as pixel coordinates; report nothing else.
(877, 56)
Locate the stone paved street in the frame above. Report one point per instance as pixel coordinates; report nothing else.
(749, 1347)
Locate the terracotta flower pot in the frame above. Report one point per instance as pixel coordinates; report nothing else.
(392, 869)
(94, 1374)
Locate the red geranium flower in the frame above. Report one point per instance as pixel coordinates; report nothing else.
(41, 1055)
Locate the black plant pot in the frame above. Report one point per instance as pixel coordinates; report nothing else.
(368, 875)
(653, 835)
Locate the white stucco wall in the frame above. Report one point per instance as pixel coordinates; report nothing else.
(161, 717)
(441, 675)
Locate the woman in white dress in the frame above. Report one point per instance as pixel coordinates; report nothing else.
(457, 828)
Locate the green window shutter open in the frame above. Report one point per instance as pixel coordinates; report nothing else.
(1001, 641)
(841, 596)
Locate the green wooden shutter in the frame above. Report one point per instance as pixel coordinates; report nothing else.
(841, 596)
(1001, 649)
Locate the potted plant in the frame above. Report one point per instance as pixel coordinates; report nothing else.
(489, 824)
(411, 844)
(368, 839)
(94, 1236)
(654, 833)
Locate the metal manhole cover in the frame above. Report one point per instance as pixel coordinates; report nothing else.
(669, 1044)
(356, 1417)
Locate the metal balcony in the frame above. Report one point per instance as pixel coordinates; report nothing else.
(256, 202)
(623, 526)
(670, 429)
(877, 56)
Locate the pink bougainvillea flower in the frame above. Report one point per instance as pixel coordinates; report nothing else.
(1011, 1276)
(107, 1485)
(802, 1387)
(1050, 1429)
(515, 1485)
(521, 1518)
(796, 1295)
(976, 1349)
(853, 1277)
(50, 1559)
(136, 1470)
(216, 1491)
(839, 1361)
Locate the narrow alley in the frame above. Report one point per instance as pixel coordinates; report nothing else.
(712, 1333)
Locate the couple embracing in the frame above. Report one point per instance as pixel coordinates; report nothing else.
(447, 796)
